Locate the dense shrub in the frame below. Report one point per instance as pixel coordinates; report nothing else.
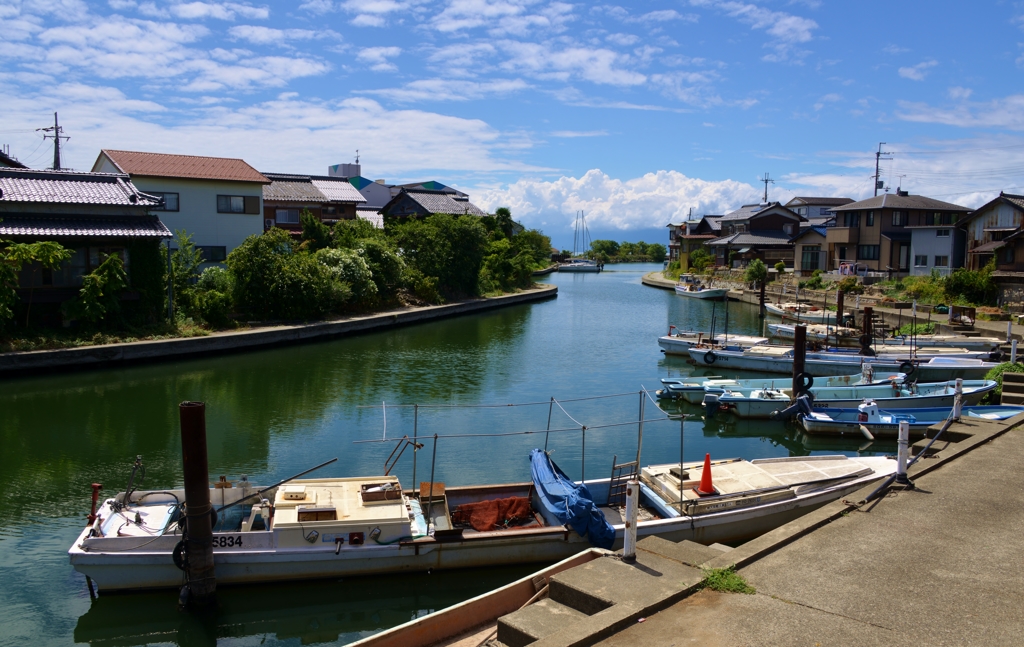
(446, 247)
(850, 285)
(701, 259)
(315, 234)
(100, 296)
(148, 277)
(349, 267)
(504, 267)
(756, 272)
(975, 288)
(997, 374)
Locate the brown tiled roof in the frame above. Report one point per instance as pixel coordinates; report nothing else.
(895, 201)
(70, 187)
(83, 226)
(192, 167)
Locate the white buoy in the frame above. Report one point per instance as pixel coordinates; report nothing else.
(632, 505)
(958, 398)
(903, 453)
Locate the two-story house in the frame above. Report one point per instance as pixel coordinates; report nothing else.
(898, 233)
(817, 210)
(329, 199)
(95, 215)
(989, 226)
(219, 201)
(754, 231)
(688, 236)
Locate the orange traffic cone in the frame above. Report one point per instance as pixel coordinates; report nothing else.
(705, 488)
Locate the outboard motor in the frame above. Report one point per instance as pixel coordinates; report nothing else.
(867, 411)
(801, 405)
(710, 403)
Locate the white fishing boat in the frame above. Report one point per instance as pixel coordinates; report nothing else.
(779, 359)
(843, 336)
(691, 286)
(679, 342)
(801, 312)
(579, 265)
(872, 422)
(763, 402)
(693, 389)
(341, 527)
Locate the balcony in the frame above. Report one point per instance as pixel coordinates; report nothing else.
(842, 235)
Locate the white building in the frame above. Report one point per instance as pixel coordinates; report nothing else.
(219, 201)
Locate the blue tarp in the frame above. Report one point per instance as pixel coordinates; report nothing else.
(572, 504)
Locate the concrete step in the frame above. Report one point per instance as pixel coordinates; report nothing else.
(688, 552)
(530, 624)
(1012, 398)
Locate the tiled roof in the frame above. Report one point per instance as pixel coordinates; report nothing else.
(899, 201)
(753, 238)
(824, 202)
(442, 203)
(987, 247)
(715, 222)
(70, 187)
(806, 230)
(83, 226)
(7, 160)
(191, 167)
(295, 188)
(338, 190)
(1017, 200)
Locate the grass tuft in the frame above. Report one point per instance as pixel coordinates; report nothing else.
(726, 580)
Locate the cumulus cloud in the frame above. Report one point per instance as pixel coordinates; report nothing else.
(377, 58)
(615, 204)
(449, 90)
(259, 35)
(831, 97)
(201, 10)
(499, 17)
(917, 72)
(597, 65)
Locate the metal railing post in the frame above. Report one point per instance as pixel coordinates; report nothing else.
(632, 501)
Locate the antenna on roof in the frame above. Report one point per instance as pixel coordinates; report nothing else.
(901, 182)
(56, 137)
(357, 156)
(766, 179)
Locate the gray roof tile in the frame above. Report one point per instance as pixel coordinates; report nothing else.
(444, 203)
(338, 190)
(71, 187)
(83, 226)
(894, 201)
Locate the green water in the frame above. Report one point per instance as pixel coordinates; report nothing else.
(273, 413)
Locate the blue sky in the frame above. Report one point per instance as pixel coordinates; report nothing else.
(633, 113)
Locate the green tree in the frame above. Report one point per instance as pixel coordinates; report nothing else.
(185, 262)
(446, 247)
(347, 234)
(100, 295)
(700, 259)
(756, 272)
(977, 288)
(506, 225)
(608, 247)
(656, 252)
(315, 234)
(780, 267)
(44, 254)
(535, 244)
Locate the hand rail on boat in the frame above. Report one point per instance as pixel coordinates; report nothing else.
(279, 483)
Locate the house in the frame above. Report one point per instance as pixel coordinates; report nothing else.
(887, 232)
(810, 249)
(378, 192)
(329, 199)
(219, 201)
(688, 236)
(420, 203)
(1009, 274)
(989, 226)
(93, 214)
(6, 161)
(754, 231)
(817, 210)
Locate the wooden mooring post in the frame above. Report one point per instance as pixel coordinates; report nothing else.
(201, 583)
(799, 359)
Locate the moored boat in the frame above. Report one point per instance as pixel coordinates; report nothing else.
(693, 389)
(801, 312)
(679, 342)
(843, 336)
(879, 423)
(579, 265)
(340, 527)
(691, 286)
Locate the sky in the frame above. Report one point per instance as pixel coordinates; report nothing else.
(635, 114)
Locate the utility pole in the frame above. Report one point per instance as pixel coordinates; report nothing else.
(878, 158)
(766, 179)
(56, 137)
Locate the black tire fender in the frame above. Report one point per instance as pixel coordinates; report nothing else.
(804, 381)
(865, 339)
(710, 357)
(907, 368)
(180, 556)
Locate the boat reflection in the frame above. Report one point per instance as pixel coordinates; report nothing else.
(337, 612)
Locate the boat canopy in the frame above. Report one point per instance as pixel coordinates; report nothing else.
(570, 503)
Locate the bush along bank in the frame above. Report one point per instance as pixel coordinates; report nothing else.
(350, 268)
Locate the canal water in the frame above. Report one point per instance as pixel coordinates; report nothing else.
(273, 413)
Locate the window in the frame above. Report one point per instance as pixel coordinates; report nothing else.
(823, 211)
(170, 201)
(842, 253)
(942, 233)
(238, 204)
(851, 219)
(947, 219)
(899, 219)
(929, 218)
(288, 216)
(788, 229)
(212, 253)
(809, 257)
(871, 219)
(941, 261)
(867, 252)
(1005, 255)
(920, 260)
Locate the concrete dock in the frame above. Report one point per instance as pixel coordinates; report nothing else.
(939, 564)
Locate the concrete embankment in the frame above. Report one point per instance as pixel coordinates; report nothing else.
(235, 341)
(934, 565)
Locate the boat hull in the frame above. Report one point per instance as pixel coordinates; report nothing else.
(809, 316)
(751, 408)
(707, 293)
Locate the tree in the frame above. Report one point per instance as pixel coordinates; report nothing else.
(506, 225)
(657, 252)
(185, 262)
(44, 254)
(315, 234)
(101, 291)
(756, 272)
(607, 247)
(700, 259)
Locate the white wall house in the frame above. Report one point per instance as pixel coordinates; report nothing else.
(219, 201)
(936, 247)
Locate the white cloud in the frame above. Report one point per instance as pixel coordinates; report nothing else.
(623, 40)
(693, 88)
(831, 97)
(220, 11)
(449, 90)
(663, 15)
(787, 30)
(894, 49)
(260, 35)
(597, 65)
(1007, 113)
(572, 134)
(610, 203)
(917, 72)
(377, 58)
(520, 17)
(957, 93)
